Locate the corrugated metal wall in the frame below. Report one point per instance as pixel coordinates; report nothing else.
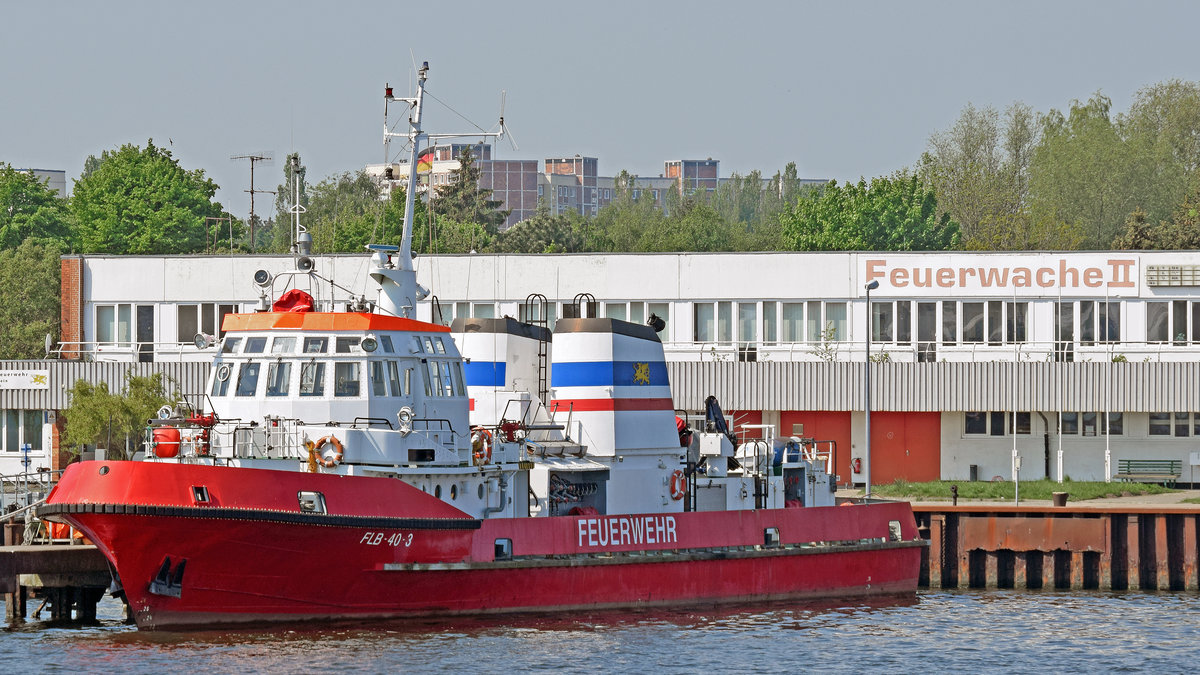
(1127, 387)
(932, 387)
(189, 377)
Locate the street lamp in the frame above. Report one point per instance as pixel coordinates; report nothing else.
(867, 405)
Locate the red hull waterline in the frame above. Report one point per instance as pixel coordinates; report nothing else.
(387, 550)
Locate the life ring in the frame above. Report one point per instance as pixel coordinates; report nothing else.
(678, 485)
(335, 458)
(481, 446)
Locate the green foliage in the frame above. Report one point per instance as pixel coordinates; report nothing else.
(1002, 490)
(1180, 233)
(893, 213)
(345, 213)
(99, 417)
(543, 233)
(979, 170)
(29, 285)
(140, 201)
(463, 201)
(29, 209)
(1082, 171)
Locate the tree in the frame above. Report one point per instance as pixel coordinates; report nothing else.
(29, 283)
(141, 201)
(979, 171)
(1081, 172)
(29, 209)
(1180, 233)
(97, 416)
(621, 225)
(543, 233)
(462, 199)
(344, 213)
(892, 213)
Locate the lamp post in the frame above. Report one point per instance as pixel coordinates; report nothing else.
(867, 405)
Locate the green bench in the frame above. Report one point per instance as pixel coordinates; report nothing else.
(1165, 471)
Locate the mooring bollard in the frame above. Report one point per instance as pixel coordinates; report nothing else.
(1060, 498)
(954, 495)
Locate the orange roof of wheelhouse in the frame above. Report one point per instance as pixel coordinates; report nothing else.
(325, 321)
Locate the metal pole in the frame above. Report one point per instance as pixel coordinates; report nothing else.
(867, 404)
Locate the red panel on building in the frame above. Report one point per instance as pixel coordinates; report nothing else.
(823, 426)
(905, 445)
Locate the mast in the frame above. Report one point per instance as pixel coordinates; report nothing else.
(392, 266)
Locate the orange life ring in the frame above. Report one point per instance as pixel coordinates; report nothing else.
(678, 485)
(481, 445)
(328, 462)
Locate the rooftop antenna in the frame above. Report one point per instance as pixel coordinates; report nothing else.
(255, 159)
(302, 244)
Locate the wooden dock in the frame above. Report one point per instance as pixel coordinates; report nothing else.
(70, 577)
(1076, 547)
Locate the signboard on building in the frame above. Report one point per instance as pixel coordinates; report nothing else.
(1037, 275)
(24, 379)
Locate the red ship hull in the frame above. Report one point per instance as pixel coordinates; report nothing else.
(387, 550)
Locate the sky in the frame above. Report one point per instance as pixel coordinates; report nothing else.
(844, 89)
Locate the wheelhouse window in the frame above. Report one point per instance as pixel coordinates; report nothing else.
(316, 345)
(221, 379)
(347, 345)
(346, 379)
(394, 382)
(312, 379)
(386, 341)
(283, 345)
(247, 382)
(378, 381)
(230, 345)
(256, 345)
(278, 376)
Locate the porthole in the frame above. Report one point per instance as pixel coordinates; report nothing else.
(481, 490)
(453, 492)
(437, 491)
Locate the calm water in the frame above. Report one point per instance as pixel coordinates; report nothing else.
(969, 631)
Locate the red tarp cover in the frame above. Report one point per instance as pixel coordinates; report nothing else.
(294, 300)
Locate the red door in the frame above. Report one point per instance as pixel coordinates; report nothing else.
(823, 426)
(905, 445)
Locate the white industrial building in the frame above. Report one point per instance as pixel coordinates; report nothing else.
(1080, 358)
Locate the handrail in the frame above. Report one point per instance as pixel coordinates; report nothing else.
(13, 514)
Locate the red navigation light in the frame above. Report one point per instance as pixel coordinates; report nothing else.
(387, 92)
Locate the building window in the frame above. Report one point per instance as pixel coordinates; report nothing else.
(204, 318)
(792, 322)
(1167, 322)
(19, 428)
(835, 320)
(1016, 321)
(114, 324)
(997, 423)
(972, 322)
(881, 321)
(949, 322)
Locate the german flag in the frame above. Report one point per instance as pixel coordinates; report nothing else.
(425, 161)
